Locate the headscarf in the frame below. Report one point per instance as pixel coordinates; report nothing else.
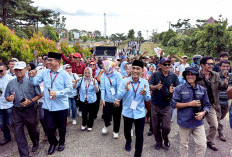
(87, 80)
(129, 68)
(109, 67)
(149, 72)
(122, 69)
(65, 66)
(145, 76)
(94, 70)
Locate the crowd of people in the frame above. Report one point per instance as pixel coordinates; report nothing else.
(139, 89)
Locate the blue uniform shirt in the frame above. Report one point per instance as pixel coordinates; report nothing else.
(183, 94)
(115, 79)
(62, 85)
(128, 96)
(91, 93)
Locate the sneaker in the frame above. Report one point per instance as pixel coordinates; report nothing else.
(132, 132)
(83, 128)
(115, 135)
(104, 130)
(74, 122)
(89, 129)
(80, 114)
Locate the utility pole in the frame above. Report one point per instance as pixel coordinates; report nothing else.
(169, 24)
(105, 25)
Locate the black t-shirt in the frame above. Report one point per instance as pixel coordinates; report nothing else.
(158, 76)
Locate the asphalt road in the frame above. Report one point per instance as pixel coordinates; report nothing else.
(94, 144)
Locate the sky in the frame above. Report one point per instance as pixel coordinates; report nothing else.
(140, 15)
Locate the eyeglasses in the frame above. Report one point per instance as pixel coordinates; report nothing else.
(190, 74)
(210, 64)
(68, 68)
(91, 64)
(1, 71)
(166, 65)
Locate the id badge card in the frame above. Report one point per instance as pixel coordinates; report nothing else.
(134, 105)
(112, 90)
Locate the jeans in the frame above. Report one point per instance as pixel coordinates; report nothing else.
(6, 119)
(73, 107)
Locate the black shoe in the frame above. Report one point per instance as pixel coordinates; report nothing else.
(158, 146)
(128, 146)
(61, 147)
(212, 146)
(35, 148)
(167, 144)
(137, 155)
(52, 148)
(150, 133)
(5, 141)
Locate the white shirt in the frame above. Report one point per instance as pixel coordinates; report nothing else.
(9, 73)
(181, 68)
(3, 83)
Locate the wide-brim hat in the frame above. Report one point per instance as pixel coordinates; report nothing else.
(193, 70)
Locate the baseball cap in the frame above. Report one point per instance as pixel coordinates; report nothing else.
(77, 55)
(15, 59)
(184, 56)
(20, 65)
(163, 60)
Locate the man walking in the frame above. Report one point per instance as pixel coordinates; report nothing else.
(133, 91)
(24, 97)
(162, 84)
(5, 106)
(212, 83)
(57, 85)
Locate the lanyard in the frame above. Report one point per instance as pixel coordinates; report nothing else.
(52, 80)
(109, 80)
(134, 88)
(86, 89)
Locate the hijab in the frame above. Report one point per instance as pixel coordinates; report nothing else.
(109, 67)
(150, 72)
(122, 68)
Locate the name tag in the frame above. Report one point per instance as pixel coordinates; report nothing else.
(134, 105)
(112, 90)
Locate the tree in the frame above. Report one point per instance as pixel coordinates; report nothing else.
(22, 13)
(120, 36)
(50, 33)
(131, 34)
(167, 36)
(97, 33)
(181, 25)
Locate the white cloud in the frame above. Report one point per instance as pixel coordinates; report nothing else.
(137, 14)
